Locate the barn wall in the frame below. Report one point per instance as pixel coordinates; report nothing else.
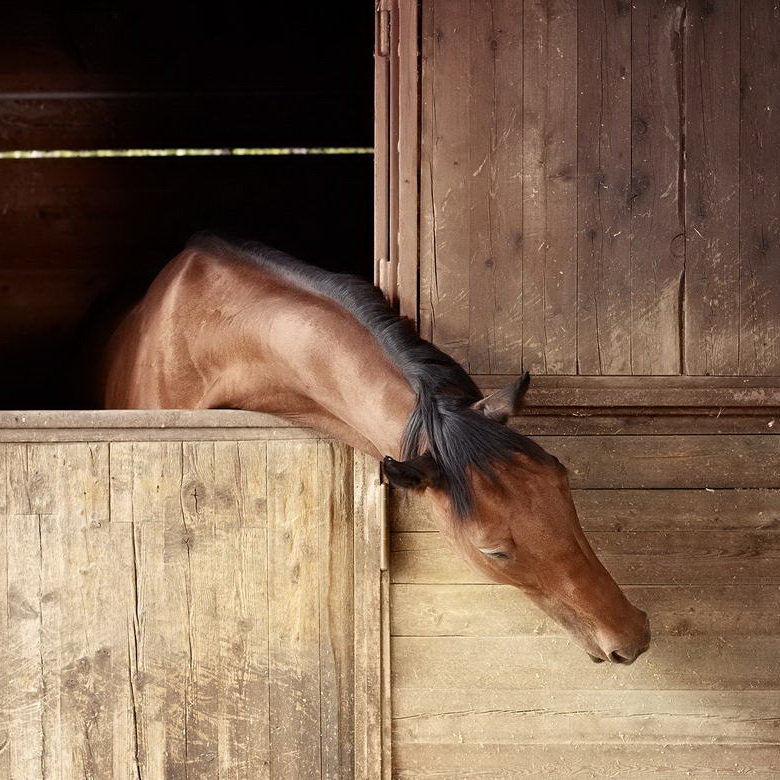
(599, 186)
(187, 595)
(684, 513)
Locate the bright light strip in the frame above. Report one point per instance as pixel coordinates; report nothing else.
(54, 154)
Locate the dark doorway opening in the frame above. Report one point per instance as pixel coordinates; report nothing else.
(196, 84)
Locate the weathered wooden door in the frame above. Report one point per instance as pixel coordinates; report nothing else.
(187, 601)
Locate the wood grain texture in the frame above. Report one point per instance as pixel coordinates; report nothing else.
(549, 281)
(449, 609)
(635, 558)
(293, 607)
(522, 663)
(487, 685)
(495, 181)
(657, 187)
(642, 239)
(446, 168)
(759, 204)
(372, 703)
(638, 510)
(604, 186)
(501, 762)
(712, 261)
(185, 608)
(408, 159)
(581, 717)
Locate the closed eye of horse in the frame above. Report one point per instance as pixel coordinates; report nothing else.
(248, 327)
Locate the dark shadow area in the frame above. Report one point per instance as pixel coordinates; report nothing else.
(139, 75)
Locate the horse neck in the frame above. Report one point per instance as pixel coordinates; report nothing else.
(330, 373)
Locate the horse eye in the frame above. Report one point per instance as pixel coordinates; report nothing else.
(497, 554)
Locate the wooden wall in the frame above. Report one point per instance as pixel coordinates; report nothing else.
(186, 595)
(685, 514)
(599, 186)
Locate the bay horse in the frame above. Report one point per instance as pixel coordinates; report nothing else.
(228, 325)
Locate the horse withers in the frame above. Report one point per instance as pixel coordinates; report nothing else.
(243, 326)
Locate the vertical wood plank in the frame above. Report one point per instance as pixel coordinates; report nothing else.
(712, 187)
(657, 193)
(759, 204)
(381, 143)
(202, 488)
(146, 485)
(550, 187)
(63, 479)
(495, 187)
(294, 640)
(604, 182)
(371, 707)
(445, 171)
(26, 671)
(427, 247)
(336, 618)
(4, 478)
(242, 607)
(5, 636)
(145, 480)
(408, 158)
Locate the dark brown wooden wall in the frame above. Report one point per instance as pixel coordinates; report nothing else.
(117, 74)
(599, 185)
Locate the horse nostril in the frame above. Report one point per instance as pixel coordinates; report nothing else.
(617, 658)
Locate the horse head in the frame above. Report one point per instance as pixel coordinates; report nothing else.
(520, 527)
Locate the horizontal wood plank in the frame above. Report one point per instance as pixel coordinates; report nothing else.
(501, 762)
(547, 663)
(616, 391)
(633, 558)
(636, 510)
(142, 419)
(647, 421)
(499, 610)
(576, 717)
(737, 461)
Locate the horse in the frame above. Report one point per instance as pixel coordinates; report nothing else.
(244, 326)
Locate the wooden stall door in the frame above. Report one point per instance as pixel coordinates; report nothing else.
(684, 512)
(189, 609)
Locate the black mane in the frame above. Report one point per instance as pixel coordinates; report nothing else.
(442, 422)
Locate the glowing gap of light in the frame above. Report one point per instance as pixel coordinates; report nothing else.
(54, 154)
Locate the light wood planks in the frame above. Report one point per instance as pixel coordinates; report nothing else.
(555, 663)
(372, 667)
(639, 510)
(596, 717)
(183, 608)
(500, 762)
(635, 558)
(487, 685)
(452, 609)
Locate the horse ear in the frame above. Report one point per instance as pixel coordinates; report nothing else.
(415, 474)
(504, 403)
